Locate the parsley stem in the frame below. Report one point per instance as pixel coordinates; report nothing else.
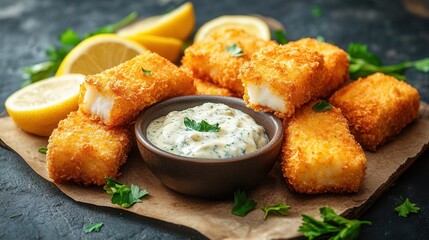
(128, 19)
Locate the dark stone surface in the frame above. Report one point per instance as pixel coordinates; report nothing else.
(32, 208)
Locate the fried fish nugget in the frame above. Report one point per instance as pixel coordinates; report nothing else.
(377, 107)
(85, 152)
(280, 79)
(335, 61)
(209, 59)
(116, 95)
(208, 88)
(320, 155)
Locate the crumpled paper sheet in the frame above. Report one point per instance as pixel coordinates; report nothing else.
(214, 218)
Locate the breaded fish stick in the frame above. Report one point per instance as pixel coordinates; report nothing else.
(320, 155)
(117, 95)
(377, 107)
(335, 61)
(210, 60)
(280, 79)
(85, 152)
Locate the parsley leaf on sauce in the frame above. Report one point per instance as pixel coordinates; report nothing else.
(235, 50)
(202, 126)
(122, 194)
(94, 227)
(242, 205)
(406, 208)
(280, 208)
(322, 106)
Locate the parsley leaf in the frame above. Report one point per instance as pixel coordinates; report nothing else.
(316, 11)
(280, 36)
(406, 208)
(202, 126)
(320, 38)
(242, 205)
(235, 50)
(332, 224)
(146, 72)
(94, 227)
(279, 208)
(322, 106)
(43, 150)
(123, 195)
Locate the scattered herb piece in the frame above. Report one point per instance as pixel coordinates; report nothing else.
(202, 126)
(94, 227)
(146, 72)
(280, 36)
(235, 50)
(320, 38)
(242, 205)
(332, 224)
(68, 40)
(123, 195)
(406, 208)
(316, 11)
(322, 106)
(43, 150)
(280, 208)
(363, 63)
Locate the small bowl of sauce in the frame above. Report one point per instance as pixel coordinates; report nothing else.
(208, 146)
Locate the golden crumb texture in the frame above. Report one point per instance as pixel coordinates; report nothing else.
(377, 107)
(320, 155)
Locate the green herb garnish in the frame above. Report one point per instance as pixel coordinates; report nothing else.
(202, 126)
(280, 208)
(316, 11)
(242, 205)
(235, 50)
(320, 38)
(122, 194)
(322, 106)
(332, 224)
(363, 63)
(43, 150)
(280, 36)
(406, 208)
(94, 227)
(146, 72)
(68, 40)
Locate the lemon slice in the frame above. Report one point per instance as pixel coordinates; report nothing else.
(253, 25)
(37, 108)
(169, 48)
(97, 53)
(178, 23)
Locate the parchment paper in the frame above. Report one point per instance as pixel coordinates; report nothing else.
(214, 218)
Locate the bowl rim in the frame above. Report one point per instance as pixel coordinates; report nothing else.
(140, 137)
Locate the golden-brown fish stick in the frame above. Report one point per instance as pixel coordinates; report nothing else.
(85, 152)
(377, 107)
(280, 79)
(320, 155)
(209, 59)
(208, 88)
(335, 61)
(117, 95)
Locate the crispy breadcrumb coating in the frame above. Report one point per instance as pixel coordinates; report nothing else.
(377, 107)
(209, 60)
(85, 152)
(320, 155)
(335, 61)
(281, 78)
(117, 95)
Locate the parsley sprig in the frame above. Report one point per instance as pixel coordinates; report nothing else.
(332, 224)
(235, 50)
(242, 205)
(322, 106)
(43, 150)
(202, 126)
(94, 227)
(280, 208)
(122, 194)
(68, 40)
(406, 208)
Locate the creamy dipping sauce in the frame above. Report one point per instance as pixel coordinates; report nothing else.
(239, 134)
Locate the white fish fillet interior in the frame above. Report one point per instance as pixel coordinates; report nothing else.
(262, 95)
(96, 103)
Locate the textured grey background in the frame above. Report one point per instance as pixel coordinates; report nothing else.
(32, 208)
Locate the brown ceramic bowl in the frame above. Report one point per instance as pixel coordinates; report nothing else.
(202, 177)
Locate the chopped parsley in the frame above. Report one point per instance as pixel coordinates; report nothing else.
(332, 223)
(322, 106)
(94, 227)
(242, 205)
(280, 36)
(146, 72)
(280, 208)
(202, 126)
(122, 194)
(43, 150)
(235, 50)
(406, 208)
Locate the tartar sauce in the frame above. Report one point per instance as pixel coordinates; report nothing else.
(239, 134)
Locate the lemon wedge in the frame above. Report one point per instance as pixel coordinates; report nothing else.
(97, 53)
(37, 108)
(178, 23)
(169, 48)
(253, 25)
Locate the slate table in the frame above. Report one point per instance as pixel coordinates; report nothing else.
(32, 208)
